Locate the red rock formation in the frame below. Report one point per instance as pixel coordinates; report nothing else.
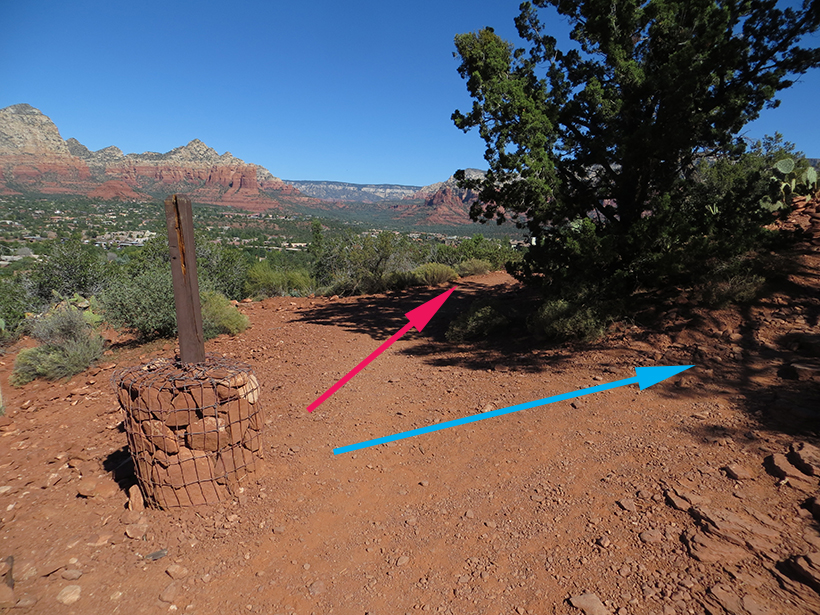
(35, 159)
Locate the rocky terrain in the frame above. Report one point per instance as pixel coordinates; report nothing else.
(697, 495)
(34, 159)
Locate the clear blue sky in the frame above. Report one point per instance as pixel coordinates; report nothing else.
(351, 91)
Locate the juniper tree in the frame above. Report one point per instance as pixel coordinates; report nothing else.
(598, 151)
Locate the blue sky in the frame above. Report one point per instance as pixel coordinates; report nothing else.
(354, 91)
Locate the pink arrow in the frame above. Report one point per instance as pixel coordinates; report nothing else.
(419, 317)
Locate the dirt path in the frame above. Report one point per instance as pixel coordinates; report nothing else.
(623, 494)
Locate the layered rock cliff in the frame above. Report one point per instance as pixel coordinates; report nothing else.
(34, 159)
(347, 192)
(442, 203)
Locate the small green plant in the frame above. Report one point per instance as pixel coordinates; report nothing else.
(68, 346)
(220, 316)
(559, 319)
(434, 274)
(732, 281)
(474, 266)
(480, 321)
(788, 181)
(264, 281)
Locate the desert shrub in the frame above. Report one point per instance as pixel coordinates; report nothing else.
(69, 346)
(72, 267)
(474, 266)
(220, 316)
(142, 302)
(264, 281)
(561, 319)
(400, 280)
(347, 263)
(480, 321)
(433, 274)
(732, 281)
(13, 306)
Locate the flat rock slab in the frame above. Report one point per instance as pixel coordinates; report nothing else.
(590, 604)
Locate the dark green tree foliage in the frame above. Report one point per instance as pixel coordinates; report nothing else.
(605, 153)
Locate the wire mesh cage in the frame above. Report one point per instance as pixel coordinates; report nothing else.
(194, 430)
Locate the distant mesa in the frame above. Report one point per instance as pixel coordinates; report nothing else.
(35, 160)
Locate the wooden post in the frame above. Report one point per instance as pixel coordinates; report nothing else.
(179, 218)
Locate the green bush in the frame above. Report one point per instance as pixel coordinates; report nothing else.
(400, 280)
(481, 320)
(72, 267)
(142, 303)
(69, 346)
(13, 306)
(434, 274)
(474, 266)
(263, 281)
(220, 316)
(560, 319)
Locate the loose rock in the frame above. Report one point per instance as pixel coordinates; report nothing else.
(176, 572)
(651, 536)
(169, 594)
(69, 594)
(590, 604)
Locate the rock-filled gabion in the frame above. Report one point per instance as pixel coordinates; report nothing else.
(195, 430)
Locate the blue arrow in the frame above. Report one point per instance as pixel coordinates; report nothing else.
(645, 378)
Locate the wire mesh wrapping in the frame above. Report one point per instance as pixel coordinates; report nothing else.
(195, 430)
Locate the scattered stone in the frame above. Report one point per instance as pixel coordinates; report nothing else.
(402, 560)
(590, 604)
(469, 514)
(651, 536)
(136, 531)
(169, 594)
(807, 569)
(135, 499)
(736, 471)
(87, 488)
(99, 540)
(779, 465)
(727, 599)
(677, 502)
(488, 407)
(627, 504)
(26, 601)
(108, 489)
(176, 572)
(69, 594)
(706, 549)
(805, 457)
(72, 574)
(316, 588)
(280, 529)
(603, 542)
(157, 555)
(7, 599)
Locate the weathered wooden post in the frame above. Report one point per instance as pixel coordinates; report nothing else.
(194, 425)
(179, 219)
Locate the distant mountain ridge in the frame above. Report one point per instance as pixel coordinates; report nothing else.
(344, 191)
(36, 160)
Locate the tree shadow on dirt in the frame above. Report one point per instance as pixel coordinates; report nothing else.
(380, 316)
(777, 377)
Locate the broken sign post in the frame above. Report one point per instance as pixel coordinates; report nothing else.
(180, 221)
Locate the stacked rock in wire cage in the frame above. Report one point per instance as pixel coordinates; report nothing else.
(195, 430)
